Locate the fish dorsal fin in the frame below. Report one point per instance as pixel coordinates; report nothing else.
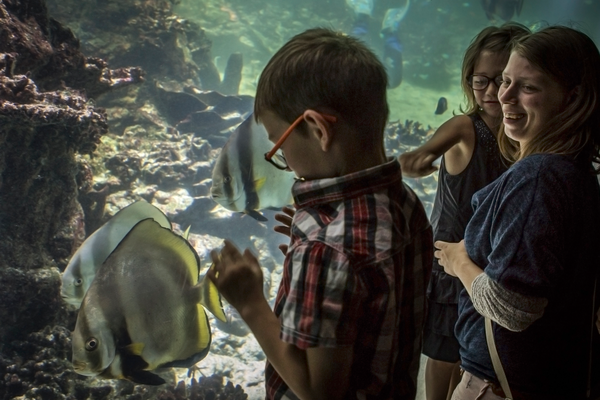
(186, 234)
(150, 233)
(259, 183)
(210, 298)
(134, 348)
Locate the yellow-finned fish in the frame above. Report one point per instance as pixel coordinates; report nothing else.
(144, 310)
(242, 180)
(80, 272)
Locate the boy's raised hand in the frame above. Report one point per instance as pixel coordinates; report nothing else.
(285, 219)
(417, 163)
(237, 276)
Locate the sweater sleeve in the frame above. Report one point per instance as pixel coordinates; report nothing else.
(511, 310)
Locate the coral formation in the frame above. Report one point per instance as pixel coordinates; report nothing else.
(206, 388)
(148, 34)
(37, 368)
(44, 123)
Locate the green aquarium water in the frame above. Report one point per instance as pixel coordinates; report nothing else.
(159, 134)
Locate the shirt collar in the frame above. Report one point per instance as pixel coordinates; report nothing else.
(319, 191)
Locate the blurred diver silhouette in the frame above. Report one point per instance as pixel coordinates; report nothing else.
(503, 9)
(392, 47)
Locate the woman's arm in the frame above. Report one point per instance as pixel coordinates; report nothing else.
(511, 310)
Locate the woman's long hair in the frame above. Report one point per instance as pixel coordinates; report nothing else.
(572, 59)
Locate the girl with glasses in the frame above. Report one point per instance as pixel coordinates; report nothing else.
(470, 160)
(529, 260)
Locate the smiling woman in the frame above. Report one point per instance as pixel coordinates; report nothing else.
(529, 99)
(529, 261)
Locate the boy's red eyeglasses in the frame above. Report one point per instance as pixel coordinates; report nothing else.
(278, 159)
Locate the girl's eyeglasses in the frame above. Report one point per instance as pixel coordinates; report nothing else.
(277, 159)
(481, 82)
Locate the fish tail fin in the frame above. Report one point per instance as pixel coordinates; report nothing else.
(210, 298)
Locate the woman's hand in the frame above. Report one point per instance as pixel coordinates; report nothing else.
(456, 262)
(450, 255)
(285, 219)
(237, 276)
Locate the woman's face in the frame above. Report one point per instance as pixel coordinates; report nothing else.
(529, 99)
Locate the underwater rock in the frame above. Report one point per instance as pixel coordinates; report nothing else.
(40, 133)
(232, 76)
(146, 34)
(175, 106)
(46, 124)
(36, 366)
(37, 45)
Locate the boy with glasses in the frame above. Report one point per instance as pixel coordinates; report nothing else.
(350, 308)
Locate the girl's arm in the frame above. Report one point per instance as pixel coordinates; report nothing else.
(455, 139)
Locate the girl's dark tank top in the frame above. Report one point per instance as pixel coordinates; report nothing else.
(452, 207)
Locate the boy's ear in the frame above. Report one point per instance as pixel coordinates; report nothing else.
(319, 127)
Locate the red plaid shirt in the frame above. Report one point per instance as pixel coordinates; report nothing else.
(355, 274)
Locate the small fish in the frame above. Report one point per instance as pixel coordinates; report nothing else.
(442, 106)
(242, 180)
(504, 9)
(82, 268)
(145, 309)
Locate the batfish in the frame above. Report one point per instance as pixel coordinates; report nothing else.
(242, 180)
(82, 267)
(144, 310)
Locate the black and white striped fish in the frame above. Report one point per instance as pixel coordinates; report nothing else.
(242, 180)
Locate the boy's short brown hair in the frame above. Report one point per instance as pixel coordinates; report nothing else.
(326, 71)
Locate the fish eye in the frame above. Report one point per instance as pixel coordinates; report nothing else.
(91, 344)
(78, 282)
(227, 178)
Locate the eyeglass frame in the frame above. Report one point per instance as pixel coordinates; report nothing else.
(269, 155)
(470, 81)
